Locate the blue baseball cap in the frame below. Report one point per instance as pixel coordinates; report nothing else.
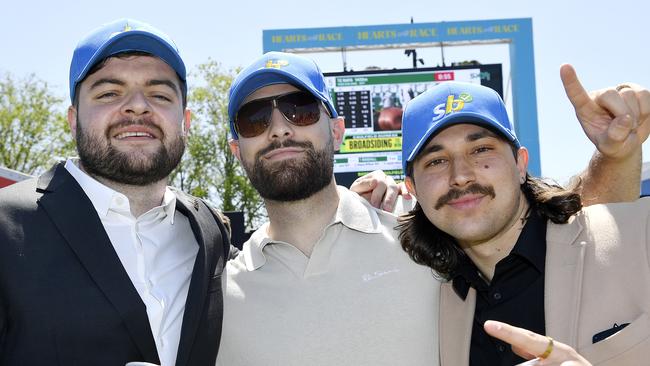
(122, 35)
(277, 68)
(451, 103)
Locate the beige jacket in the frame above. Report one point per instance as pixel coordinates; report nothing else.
(597, 274)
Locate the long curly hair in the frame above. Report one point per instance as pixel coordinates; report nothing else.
(428, 245)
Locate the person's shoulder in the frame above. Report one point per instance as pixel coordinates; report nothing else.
(186, 197)
(223, 222)
(608, 217)
(368, 220)
(21, 194)
(18, 210)
(346, 193)
(639, 208)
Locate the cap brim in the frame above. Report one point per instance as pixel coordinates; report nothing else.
(458, 118)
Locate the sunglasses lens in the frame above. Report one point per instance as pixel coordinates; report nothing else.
(253, 118)
(301, 108)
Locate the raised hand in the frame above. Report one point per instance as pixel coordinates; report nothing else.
(616, 120)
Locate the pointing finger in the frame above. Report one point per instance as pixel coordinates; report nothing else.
(572, 86)
(522, 340)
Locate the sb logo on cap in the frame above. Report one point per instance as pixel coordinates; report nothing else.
(451, 105)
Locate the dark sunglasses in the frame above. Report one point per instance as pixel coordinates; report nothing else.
(300, 108)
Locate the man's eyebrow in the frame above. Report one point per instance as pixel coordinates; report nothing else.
(166, 82)
(479, 135)
(107, 81)
(471, 137)
(430, 149)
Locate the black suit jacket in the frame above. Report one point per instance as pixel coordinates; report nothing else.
(66, 299)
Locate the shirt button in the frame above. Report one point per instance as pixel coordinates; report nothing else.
(497, 296)
(501, 348)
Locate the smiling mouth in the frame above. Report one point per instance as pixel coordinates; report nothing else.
(125, 135)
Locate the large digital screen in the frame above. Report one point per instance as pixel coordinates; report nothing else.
(372, 101)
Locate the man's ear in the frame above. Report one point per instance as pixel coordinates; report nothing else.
(72, 121)
(338, 131)
(186, 121)
(234, 148)
(522, 162)
(410, 186)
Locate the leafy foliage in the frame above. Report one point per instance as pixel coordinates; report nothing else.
(33, 129)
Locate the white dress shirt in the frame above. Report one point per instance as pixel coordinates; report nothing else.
(157, 250)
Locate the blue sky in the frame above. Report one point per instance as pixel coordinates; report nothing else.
(606, 41)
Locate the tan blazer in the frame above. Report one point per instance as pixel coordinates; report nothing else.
(597, 274)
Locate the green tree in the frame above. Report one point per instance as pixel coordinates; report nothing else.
(33, 127)
(208, 169)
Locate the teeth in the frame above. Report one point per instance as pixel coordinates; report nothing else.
(124, 135)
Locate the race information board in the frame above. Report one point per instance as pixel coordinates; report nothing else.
(371, 102)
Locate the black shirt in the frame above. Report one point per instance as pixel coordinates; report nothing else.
(515, 295)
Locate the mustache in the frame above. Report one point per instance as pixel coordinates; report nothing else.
(126, 122)
(457, 193)
(286, 143)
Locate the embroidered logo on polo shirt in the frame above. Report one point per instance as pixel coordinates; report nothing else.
(375, 275)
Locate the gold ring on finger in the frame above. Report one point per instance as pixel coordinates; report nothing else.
(549, 349)
(619, 87)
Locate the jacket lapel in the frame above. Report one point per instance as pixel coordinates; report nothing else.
(563, 279)
(207, 235)
(456, 319)
(73, 214)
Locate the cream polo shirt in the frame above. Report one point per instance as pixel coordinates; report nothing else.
(358, 300)
(157, 250)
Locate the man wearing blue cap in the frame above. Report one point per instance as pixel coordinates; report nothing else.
(325, 282)
(519, 249)
(100, 262)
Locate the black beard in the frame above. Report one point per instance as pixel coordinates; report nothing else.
(292, 179)
(100, 158)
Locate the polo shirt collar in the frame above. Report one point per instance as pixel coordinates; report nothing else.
(353, 212)
(356, 213)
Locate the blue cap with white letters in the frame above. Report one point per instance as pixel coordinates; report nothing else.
(451, 103)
